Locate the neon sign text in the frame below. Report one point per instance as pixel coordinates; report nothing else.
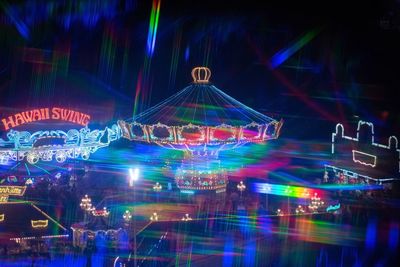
(333, 207)
(12, 190)
(45, 114)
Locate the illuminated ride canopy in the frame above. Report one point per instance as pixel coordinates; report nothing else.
(201, 120)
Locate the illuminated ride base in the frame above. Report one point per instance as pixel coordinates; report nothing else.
(201, 172)
(57, 144)
(201, 120)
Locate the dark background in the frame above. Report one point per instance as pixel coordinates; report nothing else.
(91, 56)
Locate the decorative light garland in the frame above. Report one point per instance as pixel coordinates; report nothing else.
(279, 212)
(186, 218)
(54, 236)
(101, 213)
(127, 216)
(157, 187)
(316, 203)
(208, 134)
(300, 210)
(154, 217)
(201, 180)
(241, 186)
(86, 204)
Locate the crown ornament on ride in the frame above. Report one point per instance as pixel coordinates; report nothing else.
(201, 75)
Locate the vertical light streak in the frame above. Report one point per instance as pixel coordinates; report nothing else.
(27, 169)
(138, 89)
(153, 25)
(107, 56)
(371, 235)
(207, 52)
(175, 58)
(229, 249)
(394, 236)
(144, 82)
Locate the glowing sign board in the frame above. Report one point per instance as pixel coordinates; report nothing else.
(333, 207)
(54, 113)
(12, 190)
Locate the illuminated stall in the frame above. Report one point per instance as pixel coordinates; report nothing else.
(97, 232)
(360, 159)
(22, 221)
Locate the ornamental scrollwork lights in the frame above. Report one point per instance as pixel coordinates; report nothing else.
(180, 137)
(55, 144)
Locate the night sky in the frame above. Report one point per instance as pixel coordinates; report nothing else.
(94, 57)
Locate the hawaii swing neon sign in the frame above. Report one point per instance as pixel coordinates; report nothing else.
(54, 113)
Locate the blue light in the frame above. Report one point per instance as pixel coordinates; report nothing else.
(370, 239)
(191, 192)
(394, 236)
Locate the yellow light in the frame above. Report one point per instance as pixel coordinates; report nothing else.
(201, 74)
(154, 217)
(2, 217)
(12, 190)
(39, 223)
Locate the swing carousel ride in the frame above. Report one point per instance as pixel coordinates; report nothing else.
(201, 120)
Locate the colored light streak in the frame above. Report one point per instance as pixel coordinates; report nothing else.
(151, 37)
(229, 249)
(191, 192)
(326, 233)
(16, 20)
(250, 253)
(371, 235)
(187, 53)
(27, 169)
(298, 92)
(175, 59)
(137, 93)
(41, 169)
(346, 187)
(285, 190)
(394, 236)
(284, 54)
(108, 51)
